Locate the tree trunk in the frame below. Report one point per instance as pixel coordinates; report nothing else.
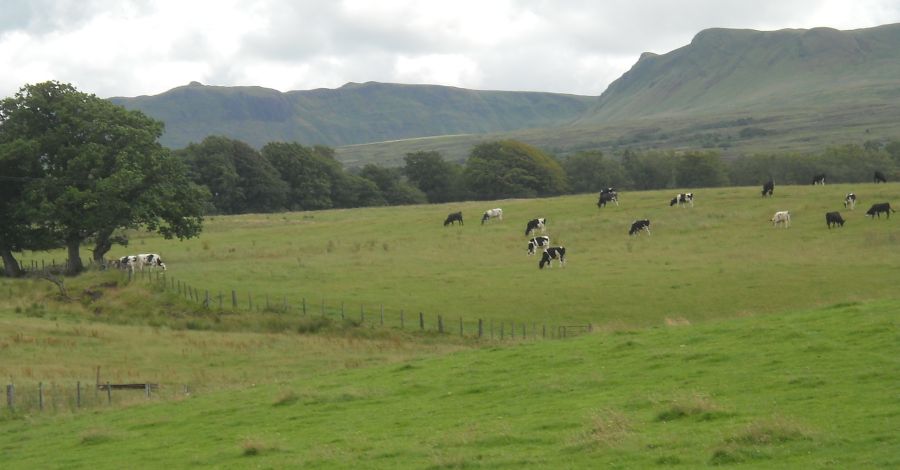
(11, 266)
(74, 266)
(102, 246)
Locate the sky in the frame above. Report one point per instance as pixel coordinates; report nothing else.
(145, 47)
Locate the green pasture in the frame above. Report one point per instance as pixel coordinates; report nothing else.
(721, 258)
(810, 389)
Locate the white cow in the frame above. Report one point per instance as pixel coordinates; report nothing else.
(150, 259)
(783, 218)
(492, 214)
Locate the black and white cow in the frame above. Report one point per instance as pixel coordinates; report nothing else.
(538, 242)
(879, 177)
(833, 219)
(850, 201)
(126, 262)
(819, 179)
(638, 225)
(453, 218)
(877, 209)
(535, 224)
(768, 188)
(554, 252)
(608, 195)
(492, 214)
(152, 260)
(682, 199)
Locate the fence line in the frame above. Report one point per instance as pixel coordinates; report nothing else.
(69, 396)
(472, 328)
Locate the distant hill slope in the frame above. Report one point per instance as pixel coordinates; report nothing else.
(354, 113)
(728, 70)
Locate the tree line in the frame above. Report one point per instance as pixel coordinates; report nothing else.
(77, 170)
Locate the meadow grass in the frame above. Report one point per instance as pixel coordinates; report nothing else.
(720, 258)
(807, 389)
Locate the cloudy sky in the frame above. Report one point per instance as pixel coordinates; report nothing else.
(145, 47)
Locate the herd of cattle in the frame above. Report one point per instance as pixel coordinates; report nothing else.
(607, 195)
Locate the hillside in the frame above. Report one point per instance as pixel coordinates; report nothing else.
(354, 113)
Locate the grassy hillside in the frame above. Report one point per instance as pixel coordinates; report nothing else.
(795, 390)
(721, 258)
(351, 114)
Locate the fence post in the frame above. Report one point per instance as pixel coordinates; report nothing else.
(501, 330)
(304, 306)
(421, 321)
(524, 331)
(108, 393)
(492, 329)
(206, 302)
(382, 314)
(590, 327)
(544, 331)
(440, 324)
(130, 273)
(362, 315)
(78, 394)
(342, 310)
(512, 330)
(233, 299)
(401, 319)
(460, 327)
(480, 328)
(147, 390)
(41, 396)
(267, 301)
(11, 396)
(250, 300)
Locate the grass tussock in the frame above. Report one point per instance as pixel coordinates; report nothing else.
(606, 428)
(677, 321)
(96, 436)
(772, 431)
(251, 447)
(287, 397)
(697, 406)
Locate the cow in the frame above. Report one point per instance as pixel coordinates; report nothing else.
(877, 209)
(819, 179)
(768, 188)
(534, 224)
(638, 225)
(538, 242)
(879, 177)
(492, 214)
(783, 218)
(682, 199)
(150, 259)
(608, 195)
(126, 262)
(453, 218)
(850, 201)
(833, 219)
(554, 252)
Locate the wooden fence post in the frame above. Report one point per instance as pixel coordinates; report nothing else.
(421, 321)
(460, 327)
(362, 315)
(512, 330)
(382, 314)
(206, 302)
(544, 331)
(108, 393)
(492, 329)
(480, 328)
(41, 396)
(440, 325)
(147, 390)
(233, 299)
(342, 310)
(501, 330)
(11, 396)
(401, 319)
(304, 306)
(78, 394)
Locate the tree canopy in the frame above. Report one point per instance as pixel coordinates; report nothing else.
(510, 168)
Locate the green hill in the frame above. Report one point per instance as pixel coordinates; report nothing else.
(354, 113)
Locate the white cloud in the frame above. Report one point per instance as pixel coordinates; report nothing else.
(573, 46)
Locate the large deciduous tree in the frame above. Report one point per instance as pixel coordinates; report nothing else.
(512, 169)
(87, 168)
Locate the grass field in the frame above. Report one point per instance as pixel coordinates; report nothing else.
(721, 258)
(720, 340)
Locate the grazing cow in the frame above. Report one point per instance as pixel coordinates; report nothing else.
(783, 218)
(768, 188)
(819, 179)
(877, 209)
(879, 177)
(638, 225)
(126, 262)
(492, 214)
(538, 242)
(850, 201)
(833, 218)
(453, 218)
(554, 252)
(152, 260)
(608, 195)
(682, 199)
(535, 223)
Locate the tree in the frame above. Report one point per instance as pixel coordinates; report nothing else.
(392, 187)
(700, 169)
(512, 169)
(238, 177)
(441, 181)
(590, 171)
(309, 172)
(92, 167)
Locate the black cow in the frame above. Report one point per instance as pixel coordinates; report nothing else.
(819, 179)
(877, 209)
(538, 242)
(554, 252)
(608, 195)
(638, 225)
(768, 188)
(879, 177)
(833, 219)
(535, 223)
(682, 199)
(454, 217)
